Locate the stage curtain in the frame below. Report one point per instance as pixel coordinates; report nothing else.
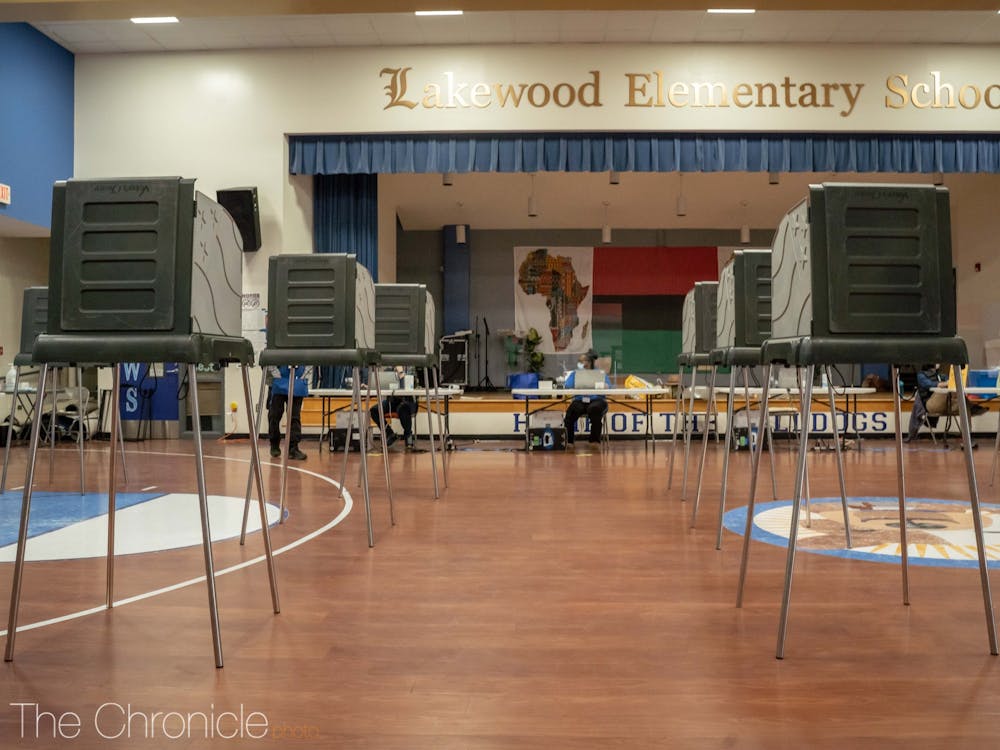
(345, 220)
(642, 152)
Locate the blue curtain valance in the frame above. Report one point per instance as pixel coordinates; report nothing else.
(642, 152)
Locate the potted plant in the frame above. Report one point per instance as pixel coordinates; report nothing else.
(534, 360)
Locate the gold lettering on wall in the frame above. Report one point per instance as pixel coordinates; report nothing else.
(453, 93)
(396, 88)
(937, 93)
(637, 83)
(657, 89)
(787, 93)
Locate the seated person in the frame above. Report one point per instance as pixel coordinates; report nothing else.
(594, 407)
(932, 405)
(404, 407)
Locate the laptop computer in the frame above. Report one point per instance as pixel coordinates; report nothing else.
(589, 379)
(387, 380)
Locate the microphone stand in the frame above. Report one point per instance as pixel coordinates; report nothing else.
(478, 365)
(486, 384)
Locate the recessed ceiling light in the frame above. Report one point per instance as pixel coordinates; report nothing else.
(732, 10)
(156, 19)
(437, 12)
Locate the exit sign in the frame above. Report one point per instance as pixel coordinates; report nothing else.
(4, 194)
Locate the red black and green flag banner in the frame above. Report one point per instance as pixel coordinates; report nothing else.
(638, 296)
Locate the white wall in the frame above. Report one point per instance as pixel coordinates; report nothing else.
(23, 263)
(223, 117)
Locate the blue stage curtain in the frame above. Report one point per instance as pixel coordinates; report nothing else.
(345, 217)
(345, 220)
(643, 152)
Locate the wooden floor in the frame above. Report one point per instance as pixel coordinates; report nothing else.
(545, 601)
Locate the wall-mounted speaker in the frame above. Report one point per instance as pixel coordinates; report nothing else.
(241, 203)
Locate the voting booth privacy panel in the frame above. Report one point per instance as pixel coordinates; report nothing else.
(865, 260)
(698, 318)
(143, 255)
(34, 319)
(322, 301)
(744, 300)
(405, 320)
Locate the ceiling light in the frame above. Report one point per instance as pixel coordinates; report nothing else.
(681, 203)
(532, 203)
(156, 19)
(606, 229)
(460, 234)
(614, 177)
(447, 179)
(772, 178)
(745, 234)
(437, 12)
(732, 10)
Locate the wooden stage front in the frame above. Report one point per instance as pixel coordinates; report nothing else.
(497, 415)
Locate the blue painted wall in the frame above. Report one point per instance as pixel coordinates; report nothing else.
(36, 120)
(457, 281)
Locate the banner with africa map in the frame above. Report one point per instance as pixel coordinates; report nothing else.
(552, 294)
(623, 302)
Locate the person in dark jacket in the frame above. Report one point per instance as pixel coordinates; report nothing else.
(593, 406)
(284, 382)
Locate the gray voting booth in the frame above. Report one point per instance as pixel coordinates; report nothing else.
(743, 323)
(698, 319)
(863, 273)
(34, 318)
(743, 319)
(142, 269)
(405, 335)
(321, 311)
(697, 341)
(34, 321)
(320, 301)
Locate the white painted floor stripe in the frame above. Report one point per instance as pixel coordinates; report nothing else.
(170, 521)
(348, 505)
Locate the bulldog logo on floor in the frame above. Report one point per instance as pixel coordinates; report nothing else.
(939, 532)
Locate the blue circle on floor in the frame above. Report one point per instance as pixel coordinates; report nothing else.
(939, 532)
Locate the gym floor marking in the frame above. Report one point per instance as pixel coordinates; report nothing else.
(345, 511)
(939, 532)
